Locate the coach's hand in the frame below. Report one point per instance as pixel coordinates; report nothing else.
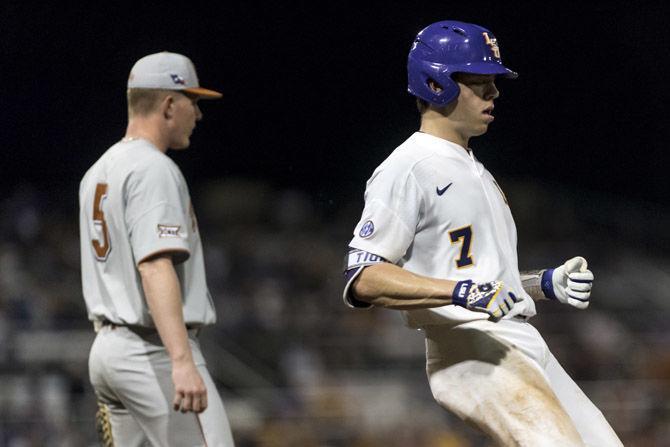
(493, 298)
(570, 283)
(190, 392)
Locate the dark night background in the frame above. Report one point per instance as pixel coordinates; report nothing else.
(314, 92)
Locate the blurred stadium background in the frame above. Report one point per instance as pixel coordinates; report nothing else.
(294, 365)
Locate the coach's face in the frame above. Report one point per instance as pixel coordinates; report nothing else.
(182, 117)
(474, 108)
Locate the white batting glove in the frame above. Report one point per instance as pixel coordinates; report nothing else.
(570, 283)
(493, 298)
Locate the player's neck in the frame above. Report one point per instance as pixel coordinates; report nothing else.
(438, 129)
(146, 129)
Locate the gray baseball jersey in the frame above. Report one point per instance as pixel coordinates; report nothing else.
(434, 210)
(134, 203)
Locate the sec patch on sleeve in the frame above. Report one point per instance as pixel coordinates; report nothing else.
(367, 229)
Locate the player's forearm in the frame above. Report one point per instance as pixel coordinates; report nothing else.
(163, 294)
(387, 285)
(531, 281)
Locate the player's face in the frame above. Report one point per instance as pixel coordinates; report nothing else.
(474, 109)
(183, 119)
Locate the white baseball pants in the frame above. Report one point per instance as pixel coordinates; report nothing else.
(502, 378)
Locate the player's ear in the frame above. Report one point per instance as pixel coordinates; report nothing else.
(434, 86)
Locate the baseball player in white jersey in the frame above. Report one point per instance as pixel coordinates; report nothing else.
(437, 240)
(143, 273)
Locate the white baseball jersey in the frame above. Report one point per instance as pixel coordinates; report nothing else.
(434, 210)
(134, 203)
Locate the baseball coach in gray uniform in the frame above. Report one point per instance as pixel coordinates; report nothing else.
(143, 272)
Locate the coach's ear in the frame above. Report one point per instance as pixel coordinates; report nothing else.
(167, 106)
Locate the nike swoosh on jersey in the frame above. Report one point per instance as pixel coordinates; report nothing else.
(443, 190)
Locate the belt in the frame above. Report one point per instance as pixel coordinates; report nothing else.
(139, 330)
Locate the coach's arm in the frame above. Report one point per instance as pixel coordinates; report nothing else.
(163, 294)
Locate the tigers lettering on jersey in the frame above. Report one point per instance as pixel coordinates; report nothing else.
(358, 258)
(354, 263)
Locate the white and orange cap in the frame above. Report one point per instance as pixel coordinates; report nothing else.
(169, 71)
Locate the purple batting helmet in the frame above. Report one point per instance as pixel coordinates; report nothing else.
(449, 47)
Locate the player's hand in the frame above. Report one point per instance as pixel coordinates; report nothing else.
(190, 392)
(493, 298)
(570, 283)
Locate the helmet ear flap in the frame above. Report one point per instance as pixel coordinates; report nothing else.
(442, 94)
(434, 86)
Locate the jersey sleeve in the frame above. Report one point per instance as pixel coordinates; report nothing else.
(393, 204)
(156, 216)
(354, 263)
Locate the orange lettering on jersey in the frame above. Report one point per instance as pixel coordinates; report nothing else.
(493, 43)
(101, 248)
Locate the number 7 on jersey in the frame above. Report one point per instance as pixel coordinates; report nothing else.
(463, 235)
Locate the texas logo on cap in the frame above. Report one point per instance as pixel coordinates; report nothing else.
(177, 79)
(169, 71)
